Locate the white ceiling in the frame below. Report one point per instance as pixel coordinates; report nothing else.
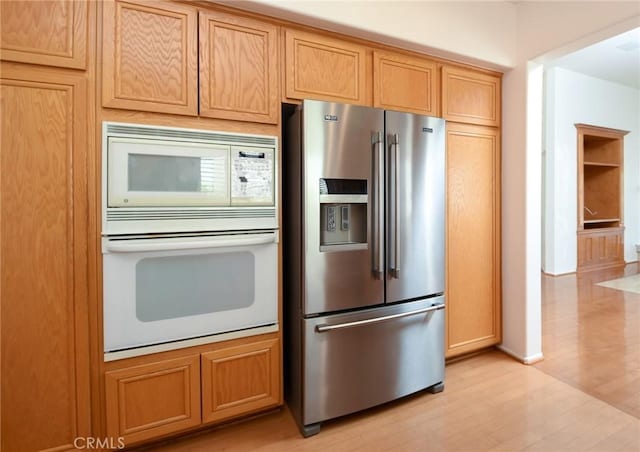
(616, 59)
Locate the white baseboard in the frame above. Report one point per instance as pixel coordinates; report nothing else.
(528, 360)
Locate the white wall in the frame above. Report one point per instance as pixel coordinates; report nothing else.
(544, 30)
(473, 31)
(576, 98)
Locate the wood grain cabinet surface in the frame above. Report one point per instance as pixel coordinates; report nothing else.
(43, 247)
(405, 83)
(324, 68)
(473, 238)
(51, 33)
(470, 96)
(240, 380)
(150, 56)
(151, 400)
(238, 68)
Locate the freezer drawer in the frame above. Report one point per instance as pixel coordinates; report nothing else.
(358, 360)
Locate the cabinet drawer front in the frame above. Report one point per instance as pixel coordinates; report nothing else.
(317, 67)
(470, 97)
(239, 380)
(405, 83)
(152, 400)
(238, 68)
(150, 56)
(53, 33)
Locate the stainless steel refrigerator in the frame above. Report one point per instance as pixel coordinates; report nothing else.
(364, 259)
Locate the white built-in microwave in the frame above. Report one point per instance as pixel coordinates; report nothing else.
(166, 179)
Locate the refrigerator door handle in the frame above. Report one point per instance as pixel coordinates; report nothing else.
(324, 328)
(378, 206)
(395, 224)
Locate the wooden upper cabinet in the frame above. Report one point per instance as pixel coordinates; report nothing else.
(150, 56)
(51, 33)
(405, 83)
(473, 238)
(319, 67)
(151, 400)
(470, 96)
(43, 244)
(238, 68)
(240, 379)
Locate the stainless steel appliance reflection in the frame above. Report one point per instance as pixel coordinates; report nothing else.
(364, 258)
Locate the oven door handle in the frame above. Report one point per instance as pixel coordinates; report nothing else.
(138, 246)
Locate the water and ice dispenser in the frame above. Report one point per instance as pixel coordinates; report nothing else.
(343, 214)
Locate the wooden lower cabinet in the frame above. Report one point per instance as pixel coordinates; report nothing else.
(600, 248)
(239, 380)
(155, 396)
(473, 238)
(152, 400)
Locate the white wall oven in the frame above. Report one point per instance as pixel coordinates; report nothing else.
(190, 237)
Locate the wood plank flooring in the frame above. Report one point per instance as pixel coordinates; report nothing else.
(581, 398)
(591, 336)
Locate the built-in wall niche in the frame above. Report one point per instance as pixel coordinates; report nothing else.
(600, 197)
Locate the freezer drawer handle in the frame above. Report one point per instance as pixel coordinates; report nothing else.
(324, 328)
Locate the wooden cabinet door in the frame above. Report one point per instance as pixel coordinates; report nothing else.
(600, 248)
(43, 251)
(319, 67)
(150, 56)
(239, 380)
(473, 238)
(238, 68)
(470, 96)
(405, 83)
(151, 400)
(52, 33)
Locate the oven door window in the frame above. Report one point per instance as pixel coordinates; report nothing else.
(179, 286)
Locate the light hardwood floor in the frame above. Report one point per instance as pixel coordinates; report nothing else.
(591, 336)
(583, 397)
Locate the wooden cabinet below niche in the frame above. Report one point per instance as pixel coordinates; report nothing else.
(324, 68)
(405, 83)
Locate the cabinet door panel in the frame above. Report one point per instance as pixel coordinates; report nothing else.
(318, 67)
(238, 68)
(239, 380)
(600, 248)
(149, 59)
(473, 238)
(152, 400)
(471, 97)
(405, 83)
(52, 33)
(43, 232)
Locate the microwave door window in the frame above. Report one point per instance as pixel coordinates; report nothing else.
(147, 173)
(171, 287)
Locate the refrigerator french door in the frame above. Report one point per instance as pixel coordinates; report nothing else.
(364, 258)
